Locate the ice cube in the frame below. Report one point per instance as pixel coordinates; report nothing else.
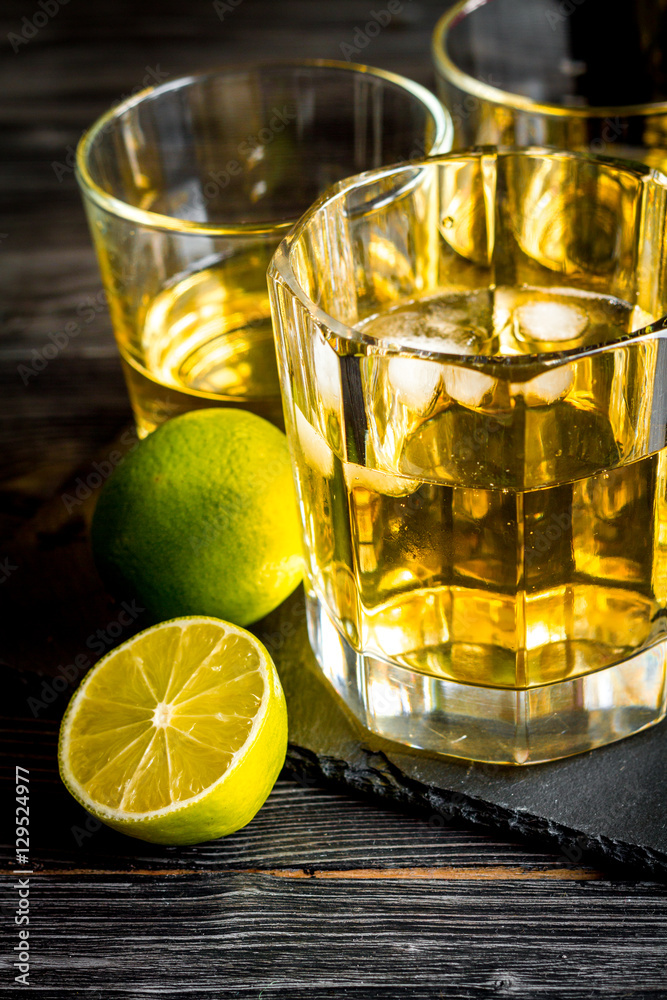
(415, 382)
(467, 386)
(453, 324)
(458, 324)
(546, 388)
(378, 482)
(551, 322)
(315, 450)
(327, 373)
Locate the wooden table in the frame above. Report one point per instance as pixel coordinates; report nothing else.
(323, 895)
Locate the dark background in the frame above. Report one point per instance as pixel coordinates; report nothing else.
(323, 895)
(87, 56)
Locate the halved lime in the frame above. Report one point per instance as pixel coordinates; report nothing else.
(178, 735)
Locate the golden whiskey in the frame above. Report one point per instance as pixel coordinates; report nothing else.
(494, 533)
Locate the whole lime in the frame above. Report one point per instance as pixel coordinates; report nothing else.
(201, 519)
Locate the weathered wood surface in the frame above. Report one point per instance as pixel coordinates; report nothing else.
(323, 895)
(248, 935)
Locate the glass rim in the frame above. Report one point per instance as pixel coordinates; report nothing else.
(507, 98)
(280, 266)
(444, 133)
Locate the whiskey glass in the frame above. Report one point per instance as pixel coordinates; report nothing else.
(472, 351)
(190, 186)
(572, 74)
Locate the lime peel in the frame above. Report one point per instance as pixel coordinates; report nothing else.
(247, 771)
(201, 518)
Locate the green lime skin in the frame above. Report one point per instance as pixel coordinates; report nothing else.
(201, 518)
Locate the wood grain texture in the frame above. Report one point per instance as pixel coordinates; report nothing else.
(302, 829)
(244, 934)
(323, 895)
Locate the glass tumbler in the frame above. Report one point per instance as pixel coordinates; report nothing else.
(581, 75)
(190, 186)
(473, 361)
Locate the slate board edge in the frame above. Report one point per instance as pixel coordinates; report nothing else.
(384, 781)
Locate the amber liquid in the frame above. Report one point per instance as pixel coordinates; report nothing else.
(494, 533)
(204, 340)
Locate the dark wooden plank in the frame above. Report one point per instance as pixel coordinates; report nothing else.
(240, 935)
(301, 829)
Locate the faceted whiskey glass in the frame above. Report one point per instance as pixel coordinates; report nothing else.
(473, 364)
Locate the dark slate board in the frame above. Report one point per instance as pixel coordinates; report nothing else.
(607, 803)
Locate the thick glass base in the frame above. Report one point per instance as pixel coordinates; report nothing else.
(497, 725)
